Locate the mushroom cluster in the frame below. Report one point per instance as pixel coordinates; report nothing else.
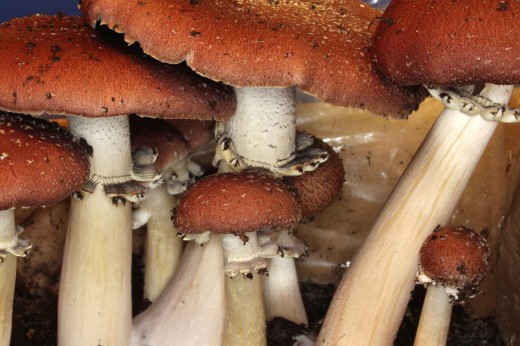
(58, 65)
(325, 49)
(239, 63)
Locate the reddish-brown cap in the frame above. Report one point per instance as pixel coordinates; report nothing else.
(237, 203)
(318, 189)
(195, 132)
(39, 162)
(160, 135)
(59, 65)
(322, 47)
(446, 42)
(455, 256)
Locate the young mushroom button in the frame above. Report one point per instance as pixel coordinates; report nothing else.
(456, 258)
(453, 262)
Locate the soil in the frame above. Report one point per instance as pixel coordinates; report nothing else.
(35, 323)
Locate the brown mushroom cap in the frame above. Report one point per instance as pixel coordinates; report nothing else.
(455, 256)
(445, 42)
(39, 162)
(161, 135)
(236, 203)
(59, 65)
(318, 189)
(322, 47)
(195, 132)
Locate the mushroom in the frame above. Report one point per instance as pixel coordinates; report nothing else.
(58, 65)
(40, 164)
(264, 49)
(436, 43)
(158, 141)
(315, 191)
(453, 262)
(236, 206)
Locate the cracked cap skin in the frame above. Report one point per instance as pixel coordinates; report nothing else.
(323, 47)
(60, 65)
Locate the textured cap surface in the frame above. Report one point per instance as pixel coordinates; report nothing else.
(455, 256)
(39, 162)
(236, 203)
(318, 189)
(323, 47)
(59, 65)
(446, 42)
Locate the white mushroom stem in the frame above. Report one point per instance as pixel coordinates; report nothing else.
(163, 249)
(7, 278)
(370, 301)
(282, 296)
(95, 286)
(8, 234)
(245, 320)
(191, 309)
(434, 322)
(263, 127)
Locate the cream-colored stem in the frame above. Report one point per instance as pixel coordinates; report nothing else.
(370, 301)
(263, 127)
(95, 286)
(7, 228)
(245, 309)
(191, 309)
(163, 248)
(434, 322)
(282, 295)
(7, 280)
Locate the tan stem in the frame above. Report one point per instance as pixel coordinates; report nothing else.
(7, 282)
(163, 248)
(282, 297)
(434, 322)
(245, 312)
(7, 278)
(95, 286)
(94, 306)
(191, 309)
(370, 301)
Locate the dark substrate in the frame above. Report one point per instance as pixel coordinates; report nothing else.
(34, 318)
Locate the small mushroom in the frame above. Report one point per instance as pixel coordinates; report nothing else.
(40, 164)
(237, 206)
(223, 208)
(453, 262)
